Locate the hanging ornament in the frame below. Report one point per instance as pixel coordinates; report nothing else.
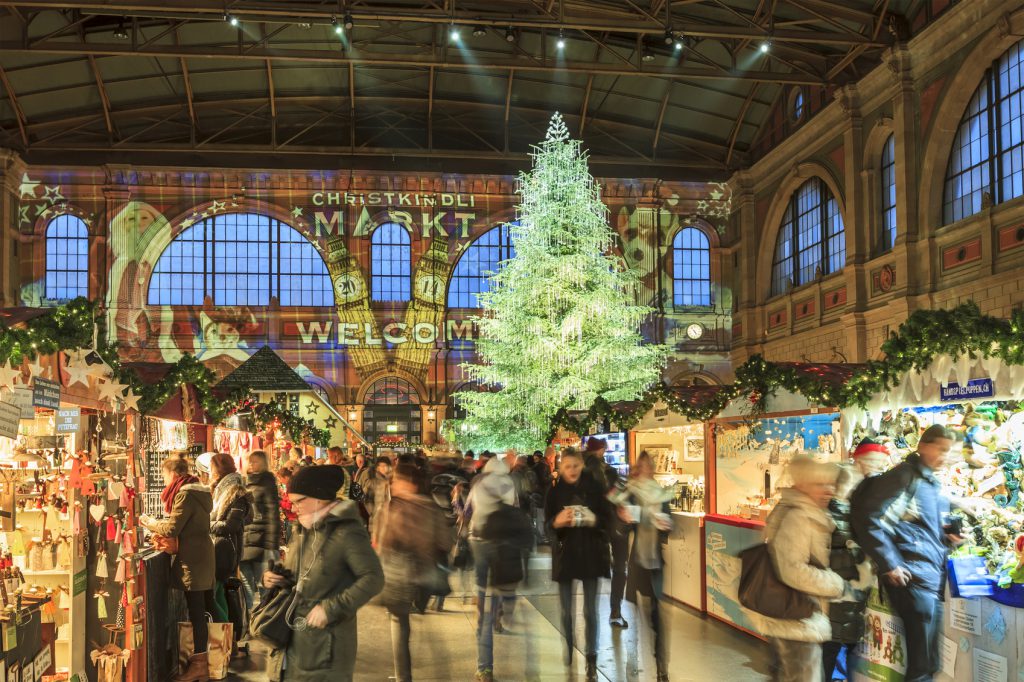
(962, 369)
(77, 369)
(131, 402)
(8, 376)
(110, 391)
(101, 605)
(102, 570)
(37, 370)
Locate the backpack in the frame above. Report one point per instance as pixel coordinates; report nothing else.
(508, 529)
(860, 511)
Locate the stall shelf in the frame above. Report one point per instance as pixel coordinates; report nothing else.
(983, 637)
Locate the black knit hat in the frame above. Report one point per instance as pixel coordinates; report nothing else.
(318, 482)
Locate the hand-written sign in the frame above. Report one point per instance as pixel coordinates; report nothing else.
(45, 393)
(10, 416)
(68, 420)
(975, 388)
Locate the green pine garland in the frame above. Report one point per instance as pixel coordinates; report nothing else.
(69, 327)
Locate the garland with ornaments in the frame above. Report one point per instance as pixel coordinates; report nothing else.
(960, 332)
(69, 328)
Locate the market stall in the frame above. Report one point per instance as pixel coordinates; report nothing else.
(979, 399)
(677, 447)
(752, 441)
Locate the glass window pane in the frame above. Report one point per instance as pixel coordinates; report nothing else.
(483, 258)
(67, 258)
(691, 273)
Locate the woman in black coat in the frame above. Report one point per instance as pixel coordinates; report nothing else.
(262, 539)
(577, 512)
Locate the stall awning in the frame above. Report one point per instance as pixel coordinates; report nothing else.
(264, 371)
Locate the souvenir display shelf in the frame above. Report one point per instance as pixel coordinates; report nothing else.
(41, 540)
(616, 454)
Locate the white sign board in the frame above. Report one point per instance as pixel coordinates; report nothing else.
(965, 615)
(10, 416)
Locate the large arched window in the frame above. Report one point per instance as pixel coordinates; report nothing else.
(67, 258)
(390, 263)
(988, 150)
(392, 391)
(241, 259)
(691, 268)
(888, 204)
(811, 239)
(471, 276)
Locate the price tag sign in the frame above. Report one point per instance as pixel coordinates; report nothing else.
(10, 416)
(68, 420)
(45, 393)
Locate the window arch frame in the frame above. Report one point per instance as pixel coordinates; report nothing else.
(504, 233)
(985, 108)
(80, 241)
(404, 279)
(830, 260)
(398, 382)
(888, 197)
(210, 250)
(678, 279)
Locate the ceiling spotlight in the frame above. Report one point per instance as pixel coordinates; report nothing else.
(479, 31)
(231, 19)
(647, 56)
(765, 46)
(679, 45)
(561, 40)
(348, 22)
(669, 38)
(119, 32)
(510, 35)
(453, 33)
(337, 27)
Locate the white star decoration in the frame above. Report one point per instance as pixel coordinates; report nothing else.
(296, 211)
(110, 390)
(37, 370)
(8, 375)
(131, 401)
(78, 371)
(188, 222)
(28, 188)
(52, 194)
(216, 206)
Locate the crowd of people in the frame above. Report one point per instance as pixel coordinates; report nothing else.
(401, 529)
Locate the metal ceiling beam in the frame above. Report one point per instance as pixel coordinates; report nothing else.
(586, 104)
(661, 118)
(18, 113)
(508, 105)
(322, 56)
(103, 96)
(738, 124)
(290, 13)
(273, 104)
(352, 105)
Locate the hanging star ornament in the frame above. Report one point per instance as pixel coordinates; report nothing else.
(131, 401)
(78, 370)
(37, 370)
(110, 390)
(8, 375)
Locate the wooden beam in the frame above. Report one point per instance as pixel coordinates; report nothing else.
(661, 119)
(352, 104)
(430, 111)
(103, 96)
(586, 104)
(18, 113)
(508, 105)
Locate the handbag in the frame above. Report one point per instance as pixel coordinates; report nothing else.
(224, 556)
(218, 648)
(400, 581)
(434, 580)
(762, 591)
(462, 555)
(268, 623)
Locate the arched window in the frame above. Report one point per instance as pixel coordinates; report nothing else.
(471, 276)
(888, 176)
(67, 258)
(811, 239)
(988, 150)
(390, 263)
(392, 391)
(241, 259)
(691, 268)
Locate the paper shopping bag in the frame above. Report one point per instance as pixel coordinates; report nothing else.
(218, 648)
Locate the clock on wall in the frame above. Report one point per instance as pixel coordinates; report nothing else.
(695, 331)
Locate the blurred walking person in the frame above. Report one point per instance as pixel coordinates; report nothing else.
(414, 543)
(577, 512)
(262, 536)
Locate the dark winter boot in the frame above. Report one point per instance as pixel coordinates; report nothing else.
(198, 669)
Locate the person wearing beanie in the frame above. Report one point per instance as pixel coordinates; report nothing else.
(871, 457)
(607, 477)
(337, 572)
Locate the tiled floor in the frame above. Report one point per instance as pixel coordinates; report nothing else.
(444, 644)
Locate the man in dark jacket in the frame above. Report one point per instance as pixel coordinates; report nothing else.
(902, 529)
(262, 542)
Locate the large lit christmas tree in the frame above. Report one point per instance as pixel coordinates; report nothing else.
(560, 326)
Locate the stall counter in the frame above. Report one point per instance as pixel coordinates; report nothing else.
(683, 571)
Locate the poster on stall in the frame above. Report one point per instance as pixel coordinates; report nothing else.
(10, 417)
(948, 652)
(965, 615)
(751, 456)
(723, 544)
(989, 667)
(882, 653)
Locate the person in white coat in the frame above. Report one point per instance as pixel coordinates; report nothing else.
(798, 532)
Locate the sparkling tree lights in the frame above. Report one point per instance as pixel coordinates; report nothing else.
(560, 326)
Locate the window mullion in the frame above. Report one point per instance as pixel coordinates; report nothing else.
(824, 229)
(995, 163)
(794, 240)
